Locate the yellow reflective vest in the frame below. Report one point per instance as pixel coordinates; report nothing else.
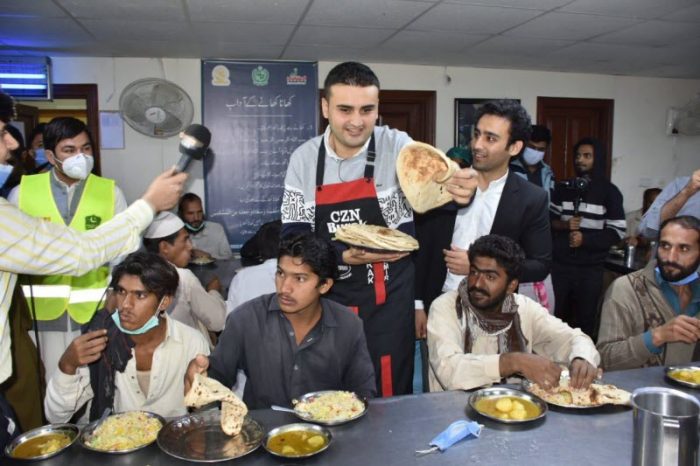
(54, 294)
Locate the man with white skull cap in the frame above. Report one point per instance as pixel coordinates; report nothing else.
(69, 194)
(202, 309)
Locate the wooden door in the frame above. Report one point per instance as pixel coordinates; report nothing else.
(409, 111)
(570, 120)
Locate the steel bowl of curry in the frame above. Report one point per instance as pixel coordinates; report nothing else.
(507, 405)
(43, 442)
(299, 440)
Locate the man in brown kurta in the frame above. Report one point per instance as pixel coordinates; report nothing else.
(649, 317)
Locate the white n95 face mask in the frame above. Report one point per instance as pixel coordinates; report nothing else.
(532, 156)
(78, 166)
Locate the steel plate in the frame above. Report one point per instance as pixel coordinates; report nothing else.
(669, 369)
(71, 430)
(310, 396)
(89, 429)
(498, 392)
(198, 437)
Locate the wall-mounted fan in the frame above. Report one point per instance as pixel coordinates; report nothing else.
(156, 107)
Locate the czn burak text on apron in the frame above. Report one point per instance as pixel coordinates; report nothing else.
(380, 293)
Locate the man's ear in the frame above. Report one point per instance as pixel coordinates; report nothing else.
(164, 248)
(515, 148)
(324, 107)
(326, 285)
(165, 303)
(50, 156)
(513, 285)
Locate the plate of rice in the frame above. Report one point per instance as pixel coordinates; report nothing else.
(330, 407)
(122, 432)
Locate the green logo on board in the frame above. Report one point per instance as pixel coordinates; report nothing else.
(260, 76)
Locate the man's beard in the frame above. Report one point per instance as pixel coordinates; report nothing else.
(493, 303)
(680, 271)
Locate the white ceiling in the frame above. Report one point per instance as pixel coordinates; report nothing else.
(658, 38)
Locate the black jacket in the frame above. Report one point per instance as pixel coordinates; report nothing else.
(522, 215)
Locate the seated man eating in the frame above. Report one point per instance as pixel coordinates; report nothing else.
(293, 341)
(132, 359)
(484, 331)
(650, 317)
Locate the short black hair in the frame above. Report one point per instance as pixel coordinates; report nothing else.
(687, 222)
(152, 245)
(187, 197)
(156, 274)
(61, 128)
(540, 133)
(506, 252)
(318, 253)
(268, 238)
(511, 110)
(351, 73)
(7, 108)
(650, 192)
(38, 129)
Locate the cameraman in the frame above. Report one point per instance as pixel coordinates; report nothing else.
(587, 219)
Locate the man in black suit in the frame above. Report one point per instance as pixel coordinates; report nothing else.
(504, 204)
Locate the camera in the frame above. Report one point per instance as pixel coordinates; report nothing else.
(579, 183)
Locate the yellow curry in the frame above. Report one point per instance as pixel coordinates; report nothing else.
(296, 443)
(41, 445)
(508, 408)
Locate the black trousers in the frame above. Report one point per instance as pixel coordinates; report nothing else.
(577, 291)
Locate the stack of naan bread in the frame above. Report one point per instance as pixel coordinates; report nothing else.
(375, 237)
(205, 390)
(423, 171)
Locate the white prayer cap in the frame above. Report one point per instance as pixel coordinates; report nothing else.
(165, 224)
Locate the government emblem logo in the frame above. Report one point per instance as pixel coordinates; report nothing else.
(260, 76)
(220, 76)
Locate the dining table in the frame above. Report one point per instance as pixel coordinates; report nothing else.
(394, 428)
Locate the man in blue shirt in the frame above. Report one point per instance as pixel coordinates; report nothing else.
(649, 317)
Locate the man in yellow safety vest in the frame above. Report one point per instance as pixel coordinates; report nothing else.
(71, 195)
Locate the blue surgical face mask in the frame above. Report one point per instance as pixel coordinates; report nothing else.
(532, 156)
(150, 324)
(40, 156)
(5, 172)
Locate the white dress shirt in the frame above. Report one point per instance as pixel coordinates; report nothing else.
(475, 221)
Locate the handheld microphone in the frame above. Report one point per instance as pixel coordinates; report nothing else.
(194, 144)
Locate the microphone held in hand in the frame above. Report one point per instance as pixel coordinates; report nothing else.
(194, 144)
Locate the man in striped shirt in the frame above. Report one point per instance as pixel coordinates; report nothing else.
(32, 246)
(587, 219)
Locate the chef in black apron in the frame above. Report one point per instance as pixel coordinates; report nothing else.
(380, 293)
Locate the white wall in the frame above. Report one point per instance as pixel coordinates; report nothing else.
(641, 148)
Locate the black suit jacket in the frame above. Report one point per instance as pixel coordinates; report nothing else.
(522, 215)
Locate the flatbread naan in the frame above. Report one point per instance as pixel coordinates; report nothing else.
(205, 390)
(594, 395)
(376, 237)
(422, 171)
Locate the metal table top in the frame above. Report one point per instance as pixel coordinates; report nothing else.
(395, 427)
